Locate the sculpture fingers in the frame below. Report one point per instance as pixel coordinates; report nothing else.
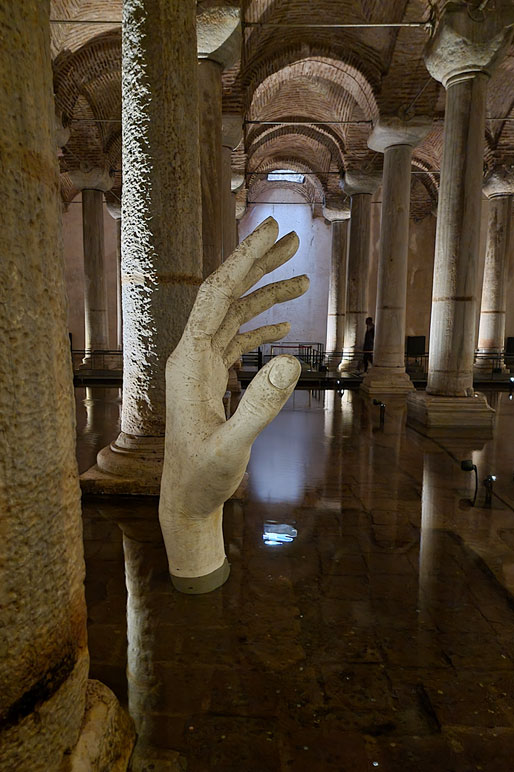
(261, 402)
(279, 254)
(247, 307)
(247, 341)
(223, 285)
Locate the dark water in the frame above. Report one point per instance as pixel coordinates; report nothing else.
(365, 622)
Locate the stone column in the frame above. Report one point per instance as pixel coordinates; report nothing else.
(44, 659)
(360, 188)
(395, 139)
(231, 135)
(94, 183)
(461, 55)
(491, 336)
(114, 209)
(337, 287)
(161, 259)
(219, 44)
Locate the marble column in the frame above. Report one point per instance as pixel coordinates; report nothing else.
(44, 661)
(161, 257)
(360, 187)
(337, 287)
(231, 135)
(94, 183)
(114, 209)
(499, 189)
(396, 139)
(461, 55)
(219, 45)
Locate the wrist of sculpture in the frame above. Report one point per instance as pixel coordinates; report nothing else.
(196, 552)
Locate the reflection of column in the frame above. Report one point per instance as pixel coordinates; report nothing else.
(360, 187)
(219, 44)
(230, 137)
(337, 287)
(44, 663)
(161, 225)
(500, 190)
(114, 209)
(461, 55)
(396, 139)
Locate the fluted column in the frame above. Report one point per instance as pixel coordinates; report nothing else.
(395, 139)
(219, 44)
(360, 187)
(491, 336)
(461, 55)
(231, 135)
(337, 287)
(161, 228)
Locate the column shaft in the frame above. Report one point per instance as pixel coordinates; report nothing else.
(452, 331)
(209, 74)
(357, 278)
(119, 306)
(95, 290)
(337, 288)
(491, 334)
(44, 662)
(229, 236)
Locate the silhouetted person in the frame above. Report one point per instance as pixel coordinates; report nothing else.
(369, 340)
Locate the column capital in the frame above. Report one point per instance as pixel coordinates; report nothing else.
(231, 130)
(336, 213)
(218, 35)
(92, 177)
(237, 182)
(393, 130)
(468, 40)
(355, 182)
(500, 182)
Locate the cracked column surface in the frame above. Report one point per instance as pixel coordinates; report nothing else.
(491, 336)
(360, 187)
(461, 55)
(231, 135)
(43, 657)
(161, 229)
(395, 138)
(337, 286)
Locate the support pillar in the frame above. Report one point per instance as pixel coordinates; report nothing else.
(44, 660)
(161, 258)
(461, 55)
(219, 45)
(491, 336)
(360, 187)
(395, 139)
(114, 209)
(231, 135)
(337, 287)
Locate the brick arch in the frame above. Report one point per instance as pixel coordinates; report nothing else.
(287, 135)
(312, 189)
(71, 37)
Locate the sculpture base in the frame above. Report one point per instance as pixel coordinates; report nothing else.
(438, 416)
(199, 585)
(386, 381)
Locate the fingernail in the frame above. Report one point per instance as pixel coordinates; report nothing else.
(284, 371)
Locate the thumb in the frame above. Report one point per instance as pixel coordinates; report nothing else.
(262, 401)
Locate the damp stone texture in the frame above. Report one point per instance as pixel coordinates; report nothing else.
(43, 650)
(161, 228)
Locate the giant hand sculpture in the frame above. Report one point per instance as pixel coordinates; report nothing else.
(206, 455)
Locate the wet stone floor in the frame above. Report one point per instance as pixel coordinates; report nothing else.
(368, 619)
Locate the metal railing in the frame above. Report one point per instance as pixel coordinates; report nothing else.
(86, 360)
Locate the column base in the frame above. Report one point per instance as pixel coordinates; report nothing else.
(386, 381)
(349, 365)
(438, 416)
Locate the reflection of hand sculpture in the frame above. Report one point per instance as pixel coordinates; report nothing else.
(205, 455)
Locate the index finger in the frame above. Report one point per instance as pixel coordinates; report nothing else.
(219, 289)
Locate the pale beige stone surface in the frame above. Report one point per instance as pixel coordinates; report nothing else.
(206, 456)
(43, 654)
(337, 286)
(107, 734)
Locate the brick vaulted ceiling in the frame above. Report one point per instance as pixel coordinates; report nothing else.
(326, 85)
